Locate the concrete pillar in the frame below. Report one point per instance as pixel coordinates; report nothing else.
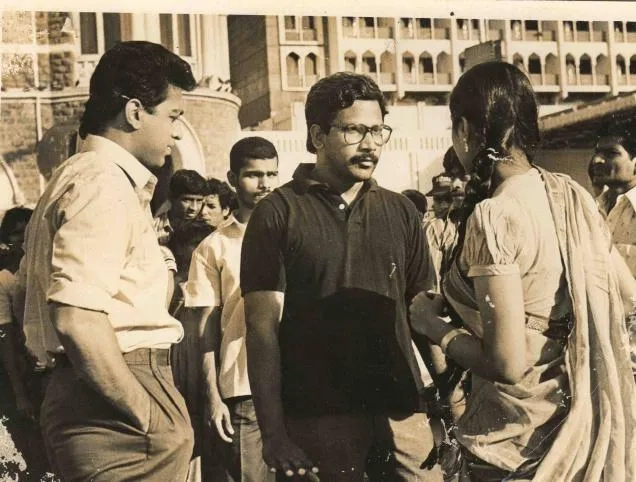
(138, 26)
(152, 27)
(454, 53)
(562, 53)
(215, 52)
(611, 54)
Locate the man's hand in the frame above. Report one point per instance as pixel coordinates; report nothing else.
(218, 416)
(281, 454)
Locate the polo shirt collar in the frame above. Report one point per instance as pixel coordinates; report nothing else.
(141, 177)
(303, 179)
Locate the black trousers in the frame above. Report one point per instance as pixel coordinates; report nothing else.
(87, 439)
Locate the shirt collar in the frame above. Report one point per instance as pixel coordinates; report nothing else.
(140, 176)
(304, 180)
(631, 196)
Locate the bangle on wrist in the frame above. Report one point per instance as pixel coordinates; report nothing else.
(450, 336)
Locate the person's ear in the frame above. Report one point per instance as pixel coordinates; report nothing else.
(232, 178)
(133, 111)
(317, 136)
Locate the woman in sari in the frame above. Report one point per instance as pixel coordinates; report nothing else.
(539, 292)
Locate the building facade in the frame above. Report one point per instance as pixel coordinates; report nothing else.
(417, 60)
(46, 64)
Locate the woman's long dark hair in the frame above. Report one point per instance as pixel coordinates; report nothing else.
(497, 100)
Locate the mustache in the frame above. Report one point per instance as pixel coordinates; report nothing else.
(364, 158)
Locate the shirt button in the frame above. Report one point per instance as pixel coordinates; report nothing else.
(341, 206)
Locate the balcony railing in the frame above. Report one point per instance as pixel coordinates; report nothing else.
(387, 78)
(373, 75)
(443, 78)
(602, 79)
(426, 78)
(385, 32)
(586, 79)
(551, 79)
(424, 33)
(619, 36)
(292, 35)
(535, 79)
(621, 79)
(495, 34)
(367, 32)
(631, 36)
(632, 79)
(583, 36)
(311, 80)
(348, 31)
(409, 78)
(442, 33)
(294, 81)
(598, 36)
(309, 34)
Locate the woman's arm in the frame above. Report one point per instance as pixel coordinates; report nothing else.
(500, 356)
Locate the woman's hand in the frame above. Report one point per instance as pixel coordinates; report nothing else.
(427, 315)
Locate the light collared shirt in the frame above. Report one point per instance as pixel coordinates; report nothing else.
(91, 244)
(213, 281)
(621, 221)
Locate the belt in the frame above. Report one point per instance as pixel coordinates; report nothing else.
(140, 356)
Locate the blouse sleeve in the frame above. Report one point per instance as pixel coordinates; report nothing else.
(494, 237)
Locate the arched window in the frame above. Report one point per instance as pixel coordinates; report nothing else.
(408, 68)
(585, 70)
(444, 68)
(621, 70)
(570, 69)
(387, 68)
(369, 65)
(350, 61)
(311, 69)
(602, 70)
(551, 69)
(426, 71)
(534, 69)
(293, 73)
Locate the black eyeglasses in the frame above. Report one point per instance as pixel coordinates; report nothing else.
(355, 133)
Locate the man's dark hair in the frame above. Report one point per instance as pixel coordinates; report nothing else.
(187, 181)
(12, 219)
(418, 199)
(623, 132)
(334, 93)
(254, 147)
(132, 70)
(222, 190)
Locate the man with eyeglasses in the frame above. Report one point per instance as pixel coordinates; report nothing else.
(328, 264)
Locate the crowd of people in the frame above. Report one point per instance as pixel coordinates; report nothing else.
(327, 328)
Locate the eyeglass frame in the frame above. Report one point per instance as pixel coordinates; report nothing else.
(367, 130)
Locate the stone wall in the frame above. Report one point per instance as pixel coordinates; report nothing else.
(214, 117)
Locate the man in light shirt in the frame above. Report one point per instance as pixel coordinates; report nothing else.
(94, 281)
(213, 288)
(614, 165)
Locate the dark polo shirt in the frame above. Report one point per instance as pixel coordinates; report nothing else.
(347, 273)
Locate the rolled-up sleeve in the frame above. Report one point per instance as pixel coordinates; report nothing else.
(91, 241)
(204, 278)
